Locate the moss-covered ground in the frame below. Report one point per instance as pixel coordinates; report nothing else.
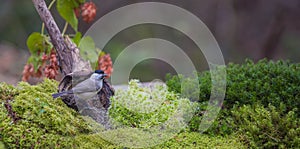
(260, 110)
(31, 118)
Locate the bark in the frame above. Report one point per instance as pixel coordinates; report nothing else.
(68, 53)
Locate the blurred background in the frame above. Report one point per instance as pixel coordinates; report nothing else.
(253, 29)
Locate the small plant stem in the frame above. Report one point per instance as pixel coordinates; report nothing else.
(51, 4)
(43, 28)
(65, 29)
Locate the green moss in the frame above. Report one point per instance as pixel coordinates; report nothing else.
(184, 140)
(93, 141)
(7, 92)
(191, 140)
(265, 82)
(145, 107)
(266, 127)
(257, 88)
(43, 122)
(2, 145)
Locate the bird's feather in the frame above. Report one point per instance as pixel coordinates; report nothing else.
(56, 95)
(72, 79)
(86, 86)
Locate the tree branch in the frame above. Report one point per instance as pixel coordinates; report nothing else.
(64, 54)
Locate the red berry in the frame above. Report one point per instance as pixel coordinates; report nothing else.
(44, 57)
(105, 64)
(88, 12)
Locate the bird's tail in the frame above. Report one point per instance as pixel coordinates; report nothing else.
(56, 95)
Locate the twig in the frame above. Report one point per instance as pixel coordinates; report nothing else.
(65, 28)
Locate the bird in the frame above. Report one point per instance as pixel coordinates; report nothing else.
(87, 88)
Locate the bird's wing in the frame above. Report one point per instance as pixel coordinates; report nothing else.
(80, 76)
(72, 79)
(85, 86)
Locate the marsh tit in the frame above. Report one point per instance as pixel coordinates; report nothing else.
(87, 88)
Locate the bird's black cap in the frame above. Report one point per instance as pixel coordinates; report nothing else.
(99, 71)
